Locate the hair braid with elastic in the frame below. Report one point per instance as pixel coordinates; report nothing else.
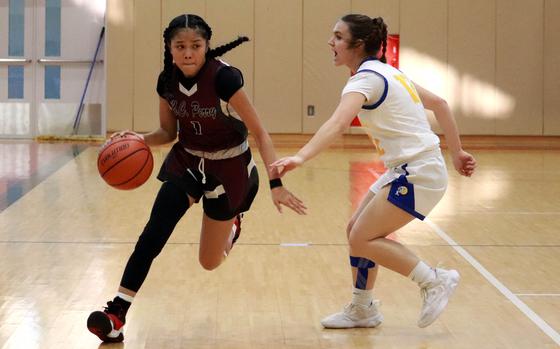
(167, 58)
(382, 29)
(372, 32)
(220, 50)
(194, 22)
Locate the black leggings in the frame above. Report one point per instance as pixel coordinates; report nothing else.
(170, 205)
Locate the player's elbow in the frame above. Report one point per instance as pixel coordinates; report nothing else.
(262, 138)
(339, 126)
(169, 135)
(439, 104)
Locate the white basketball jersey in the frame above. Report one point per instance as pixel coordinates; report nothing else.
(393, 115)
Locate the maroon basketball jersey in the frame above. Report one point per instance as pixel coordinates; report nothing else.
(203, 125)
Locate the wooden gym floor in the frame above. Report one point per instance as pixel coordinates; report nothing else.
(65, 237)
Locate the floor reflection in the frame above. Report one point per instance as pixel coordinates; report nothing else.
(24, 164)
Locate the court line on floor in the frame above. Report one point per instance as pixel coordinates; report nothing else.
(491, 212)
(537, 320)
(295, 244)
(284, 244)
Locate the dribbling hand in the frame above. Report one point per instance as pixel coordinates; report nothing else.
(126, 132)
(122, 134)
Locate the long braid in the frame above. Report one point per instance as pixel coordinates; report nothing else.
(383, 35)
(196, 23)
(220, 50)
(167, 58)
(176, 24)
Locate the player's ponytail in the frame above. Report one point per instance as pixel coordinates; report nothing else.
(372, 32)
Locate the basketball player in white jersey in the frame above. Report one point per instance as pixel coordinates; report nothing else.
(391, 108)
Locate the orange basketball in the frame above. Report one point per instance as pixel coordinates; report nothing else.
(125, 162)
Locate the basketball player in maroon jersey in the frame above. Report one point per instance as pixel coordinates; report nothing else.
(204, 99)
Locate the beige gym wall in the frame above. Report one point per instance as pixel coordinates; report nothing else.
(321, 81)
(278, 64)
(551, 67)
(119, 53)
(497, 62)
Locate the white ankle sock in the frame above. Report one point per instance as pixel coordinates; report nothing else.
(422, 273)
(362, 297)
(125, 297)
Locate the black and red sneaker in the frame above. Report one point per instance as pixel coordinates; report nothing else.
(235, 232)
(108, 324)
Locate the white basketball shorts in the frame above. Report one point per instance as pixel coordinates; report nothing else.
(416, 185)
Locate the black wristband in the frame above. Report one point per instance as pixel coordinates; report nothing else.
(274, 183)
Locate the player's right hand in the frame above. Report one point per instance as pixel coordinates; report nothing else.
(286, 164)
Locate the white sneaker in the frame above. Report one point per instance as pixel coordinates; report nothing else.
(436, 294)
(355, 315)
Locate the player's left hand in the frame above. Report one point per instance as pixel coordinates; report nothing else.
(282, 196)
(464, 163)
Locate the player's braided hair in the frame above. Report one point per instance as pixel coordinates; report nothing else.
(200, 26)
(371, 31)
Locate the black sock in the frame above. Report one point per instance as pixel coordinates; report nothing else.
(124, 304)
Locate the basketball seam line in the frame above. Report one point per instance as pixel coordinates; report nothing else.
(119, 141)
(121, 160)
(136, 174)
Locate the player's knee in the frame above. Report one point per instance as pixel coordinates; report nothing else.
(349, 228)
(358, 241)
(153, 238)
(210, 263)
(355, 242)
(147, 248)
